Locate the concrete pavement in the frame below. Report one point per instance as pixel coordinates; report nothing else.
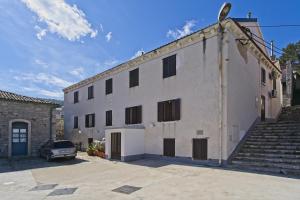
(95, 178)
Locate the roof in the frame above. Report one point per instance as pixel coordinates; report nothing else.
(245, 19)
(9, 96)
(123, 65)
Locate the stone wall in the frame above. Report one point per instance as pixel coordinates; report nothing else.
(37, 114)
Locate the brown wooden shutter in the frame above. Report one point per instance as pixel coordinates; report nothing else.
(172, 65)
(93, 120)
(127, 116)
(203, 153)
(160, 112)
(139, 115)
(177, 104)
(86, 120)
(169, 147)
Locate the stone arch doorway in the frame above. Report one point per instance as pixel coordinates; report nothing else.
(19, 138)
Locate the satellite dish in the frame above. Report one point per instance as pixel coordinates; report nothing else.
(224, 11)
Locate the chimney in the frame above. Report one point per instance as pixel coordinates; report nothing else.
(249, 15)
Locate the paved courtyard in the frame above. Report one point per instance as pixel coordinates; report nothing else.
(95, 178)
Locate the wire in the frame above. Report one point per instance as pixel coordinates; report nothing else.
(267, 46)
(276, 26)
(274, 47)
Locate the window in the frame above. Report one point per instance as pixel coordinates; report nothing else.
(90, 92)
(108, 86)
(133, 115)
(75, 122)
(263, 76)
(134, 78)
(90, 120)
(108, 118)
(169, 147)
(168, 110)
(169, 66)
(76, 97)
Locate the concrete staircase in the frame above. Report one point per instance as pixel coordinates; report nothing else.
(272, 147)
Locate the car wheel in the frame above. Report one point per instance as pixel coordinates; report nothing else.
(48, 158)
(72, 158)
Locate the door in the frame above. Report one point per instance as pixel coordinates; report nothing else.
(263, 108)
(116, 146)
(169, 147)
(19, 139)
(200, 149)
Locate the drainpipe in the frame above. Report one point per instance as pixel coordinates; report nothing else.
(221, 90)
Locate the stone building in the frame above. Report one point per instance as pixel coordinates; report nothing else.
(24, 124)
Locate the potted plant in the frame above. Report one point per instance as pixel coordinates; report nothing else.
(100, 150)
(91, 150)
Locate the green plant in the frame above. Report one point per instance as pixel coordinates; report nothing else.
(100, 147)
(91, 149)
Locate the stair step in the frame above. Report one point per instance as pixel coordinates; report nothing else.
(273, 170)
(274, 143)
(274, 137)
(259, 150)
(275, 134)
(282, 147)
(263, 140)
(267, 164)
(269, 155)
(268, 160)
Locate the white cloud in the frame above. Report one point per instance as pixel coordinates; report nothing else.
(77, 72)
(47, 93)
(61, 18)
(137, 54)
(52, 94)
(110, 63)
(186, 30)
(44, 78)
(101, 28)
(108, 36)
(40, 32)
(41, 63)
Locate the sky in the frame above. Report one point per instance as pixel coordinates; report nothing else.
(47, 45)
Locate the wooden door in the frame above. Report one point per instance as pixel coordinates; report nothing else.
(116, 146)
(200, 149)
(169, 147)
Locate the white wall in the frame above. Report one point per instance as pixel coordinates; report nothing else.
(244, 90)
(196, 83)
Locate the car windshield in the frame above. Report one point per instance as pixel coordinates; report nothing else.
(63, 144)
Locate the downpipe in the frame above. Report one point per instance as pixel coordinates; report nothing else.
(221, 90)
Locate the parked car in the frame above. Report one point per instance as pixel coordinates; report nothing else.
(58, 149)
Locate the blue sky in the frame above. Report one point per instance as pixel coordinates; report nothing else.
(46, 45)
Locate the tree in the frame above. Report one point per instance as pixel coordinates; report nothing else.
(291, 53)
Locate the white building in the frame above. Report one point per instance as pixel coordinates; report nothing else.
(194, 98)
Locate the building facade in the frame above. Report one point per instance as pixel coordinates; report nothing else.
(194, 98)
(25, 124)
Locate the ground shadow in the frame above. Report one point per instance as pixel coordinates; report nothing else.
(158, 162)
(10, 165)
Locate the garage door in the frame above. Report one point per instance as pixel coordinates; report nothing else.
(19, 138)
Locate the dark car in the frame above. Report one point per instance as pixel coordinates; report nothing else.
(58, 149)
